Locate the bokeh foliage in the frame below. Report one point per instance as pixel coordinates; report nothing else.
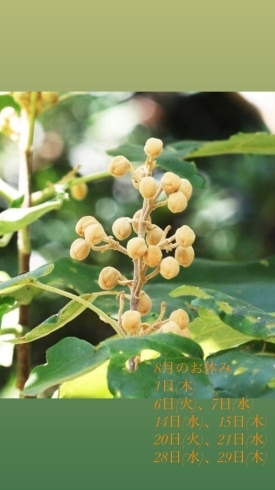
(232, 212)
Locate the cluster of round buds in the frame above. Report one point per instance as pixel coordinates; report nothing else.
(91, 232)
(177, 323)
(178, 191)
(147, 247)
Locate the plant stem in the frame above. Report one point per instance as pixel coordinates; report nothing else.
(24, 243)
(8, 192)
(49, 192)
(85, 303)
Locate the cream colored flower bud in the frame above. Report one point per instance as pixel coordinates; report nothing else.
(153, 147)
(119, 166)
(136, 219)
(83, 223)
(94, 234)
(185, 236)
(170, 182)
(50, 97)
(169, 268)
(22, 98)
(186, 188)
(185, 333)
(137, 175)
(79, 191)
(136, 247)
(10, 122)
(122, 228)
(148, 187)
(131, 320)
(145, 303)
(184, 255)
(108, 278)
(177, 202)
(80, 249)
(154, 235)
(7, 113)
(180, 317)
(170, 326)
(153, 256)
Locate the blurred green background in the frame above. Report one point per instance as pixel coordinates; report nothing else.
(233, 216)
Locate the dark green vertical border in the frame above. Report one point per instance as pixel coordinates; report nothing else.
(210, 46)
(101, 444)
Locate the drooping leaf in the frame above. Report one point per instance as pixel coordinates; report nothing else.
(67, 359)
(253, 282)
(14, 219)
(70, 311)
(11, 285)
(251, 371)
(243, 317)
(250, 143)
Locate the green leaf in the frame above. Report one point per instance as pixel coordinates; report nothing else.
(169, 160)
(74, 275)
(243, 317)
(251, 374)
(134, 153)
(70, 311)
(16, 203)
(5, 306)
(142, 382)
(251, 143)
(5, 239)
(90, 385)
(165, 343)
(7, 100)
(14, 219)
(253, 282)
(212, 334)
(65, 360)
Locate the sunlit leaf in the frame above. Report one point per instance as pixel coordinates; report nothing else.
(142, 382)
(90, 385)
(243, 317)
(67, 359)
(251, 143)
(212, 334)
(246, 371)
